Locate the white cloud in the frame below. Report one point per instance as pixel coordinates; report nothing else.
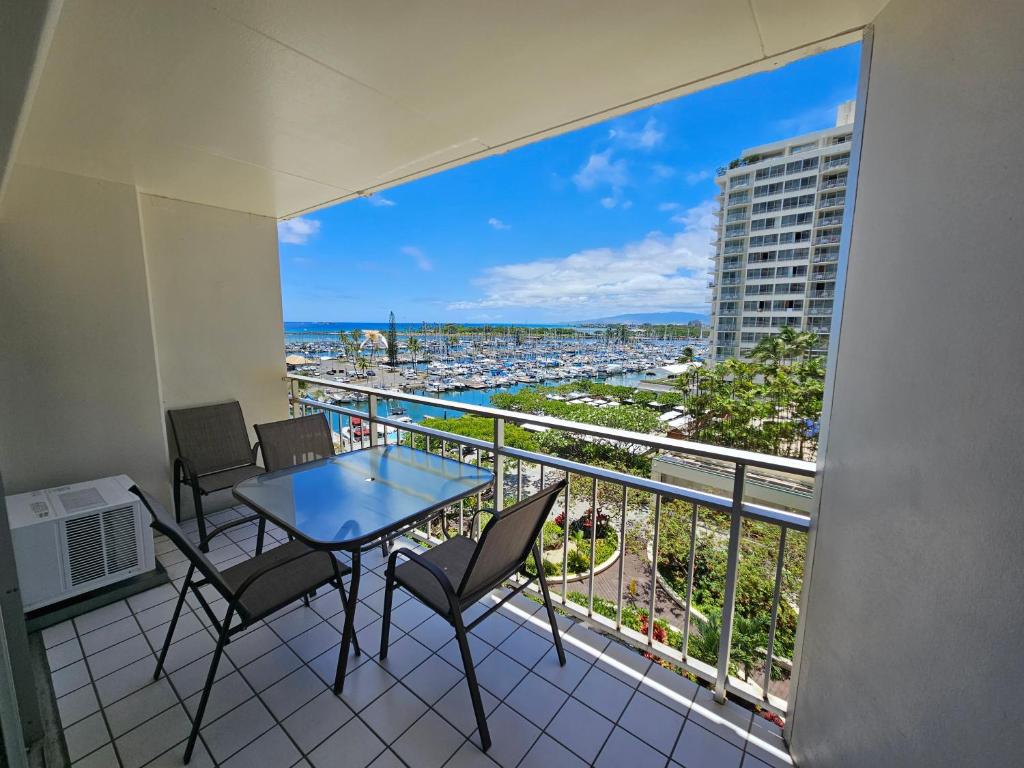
(699, 218)
(601, 170)
(668, 206)
(498, 223)
(380, 201)
(696, 177)
(659, 272)
(626, 205)
(297, 231)
(609, 202)
(662, 171)
(419, 257)
(647, 137)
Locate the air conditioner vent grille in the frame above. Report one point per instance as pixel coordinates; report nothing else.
(119, 540)
(85, 549)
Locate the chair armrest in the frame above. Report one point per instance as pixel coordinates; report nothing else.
(218, 530)
(432, 568)
(187, 469)
(255, 451)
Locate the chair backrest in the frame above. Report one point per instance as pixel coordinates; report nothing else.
(295, 441)
(211, 437)
(506, 541)
(168, 526)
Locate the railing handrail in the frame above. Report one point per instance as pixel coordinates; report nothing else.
(731, 455)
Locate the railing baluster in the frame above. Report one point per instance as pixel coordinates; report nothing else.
(776, 595)
(499, 465)
(622, 557)
(732, 565)
(519, 480)
(654, 569)
(689, 581)
(593, 545)
(565, 536)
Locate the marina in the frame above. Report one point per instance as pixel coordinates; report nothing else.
(473, 368)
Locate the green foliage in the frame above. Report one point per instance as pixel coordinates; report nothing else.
(553, 535)
(633, 617)
(765, 405)
(481, 428)
(392, 339)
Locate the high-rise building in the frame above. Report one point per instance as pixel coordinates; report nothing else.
(780, 218)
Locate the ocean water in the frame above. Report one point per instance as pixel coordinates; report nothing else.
(296, 331)
(418, 411)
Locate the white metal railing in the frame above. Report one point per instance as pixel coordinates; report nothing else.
(499, 456)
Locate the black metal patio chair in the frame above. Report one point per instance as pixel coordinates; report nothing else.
(213, 454)
(456, 573)
(290, 442)
(252, 589)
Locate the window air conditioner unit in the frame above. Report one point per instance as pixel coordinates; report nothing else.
(76, 538)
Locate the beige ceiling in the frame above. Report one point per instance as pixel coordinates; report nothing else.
(280, 106)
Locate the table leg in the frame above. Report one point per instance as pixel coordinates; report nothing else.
(349, 629)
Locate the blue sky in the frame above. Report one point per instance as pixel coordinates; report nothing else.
(609, 219)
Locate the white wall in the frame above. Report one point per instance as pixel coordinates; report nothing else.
(913, 624)
(78, 379)
(215, 289)
(116, 306)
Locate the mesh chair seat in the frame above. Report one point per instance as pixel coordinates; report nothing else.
(280, 586)
(452, 556)
(228, 478)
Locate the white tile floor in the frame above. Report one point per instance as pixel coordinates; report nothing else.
(272, 704)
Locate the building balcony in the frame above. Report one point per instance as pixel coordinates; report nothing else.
(829, 221)
(826, 239)
(832, 183)
(274, 695)
(832, 201)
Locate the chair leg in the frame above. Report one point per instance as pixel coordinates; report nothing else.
(547, 604)
(197, 502)
(210, 677)
(177, 492)
(385, 629)
(344, 601)
(348, 632)
(174, 622)
(261, 533)
(474, 688)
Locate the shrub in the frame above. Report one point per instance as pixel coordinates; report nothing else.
(553, 535)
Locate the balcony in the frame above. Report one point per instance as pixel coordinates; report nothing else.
(838, 162)
(140, 148)
(826, 240)
(829, 221)
(832, 183)
(610, 699)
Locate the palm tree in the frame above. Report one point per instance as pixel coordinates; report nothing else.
(687, 355)
(362, 364)
(414, 347)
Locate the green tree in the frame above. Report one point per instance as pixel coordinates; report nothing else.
(392, 340)
(414, 347)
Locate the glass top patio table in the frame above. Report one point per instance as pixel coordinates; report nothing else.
(349, 500)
